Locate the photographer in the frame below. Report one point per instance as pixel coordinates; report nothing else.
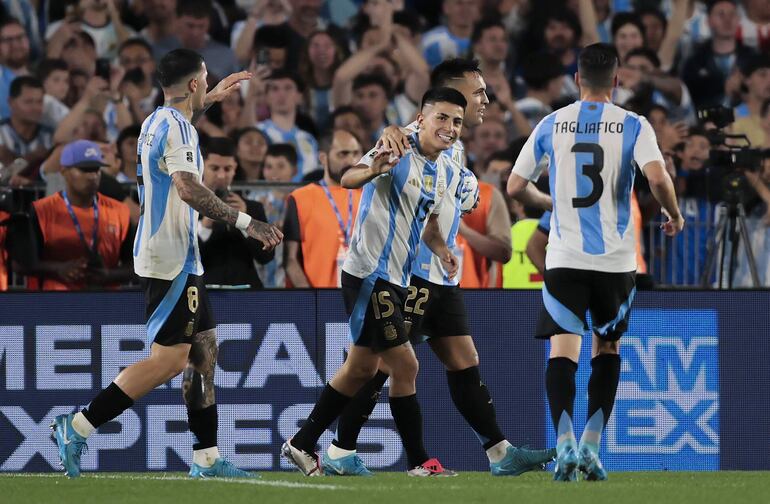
(80, 239)
(228, 256)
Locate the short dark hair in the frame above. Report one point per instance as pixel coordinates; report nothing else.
(288, 74)
(132, 131)
(567, 17)
(8, 21)
(178, 64)
(443, 94)
(284, 150)
(342, 110)
(408, 19)
(697, 130)
(597, 65)
(621, 19)
(222, 146)
(19, 83)
(484, 25)
(325, 144)
(240, 132)
(713, 3)
(49, 66)
(372, 79)
(452, 69)
(197, 9)
(505, 155)
(644, 52)
(656, 13)
(136, 41)
(538, 69)
(84, 37)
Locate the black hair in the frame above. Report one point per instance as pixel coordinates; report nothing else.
(443, 94)
(197, 9)
(288, 74)
(538, 69)
(621, 19)
(645, 52)
(597, 65)
(84, 37)
(136, 41)
(49, 66)
(567, 17)
(8, 21)
(178, 64)
(713, 3)
(372, 79)
(284, 150)
(484, 25)
(132, 131)
(656, 106)
(19, 83)
(408, 19)
(240, 132)
(505, 155)
(222, 146)
(275, 36)
(452, 69)
(652, 11)
(697, 130)
(326, 141)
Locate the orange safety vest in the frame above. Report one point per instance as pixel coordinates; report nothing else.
(61, 241)
(487, 276)
(3, 254)
(321, 238)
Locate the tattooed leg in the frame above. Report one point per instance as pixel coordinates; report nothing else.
(198, 392)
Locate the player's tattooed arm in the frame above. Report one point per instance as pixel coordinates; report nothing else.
(198, 378)
(202, 199)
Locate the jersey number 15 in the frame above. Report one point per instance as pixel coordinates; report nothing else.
(593, 172)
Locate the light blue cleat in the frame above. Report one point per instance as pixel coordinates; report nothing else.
(520, 460)
(71, 444)
(566, 465)
(222, 468)
(590, 465)
(350, 465)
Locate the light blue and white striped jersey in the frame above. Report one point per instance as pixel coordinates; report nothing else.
(304, 142)
(392, 214)
(427, 265)
(166, 239)
(592, 150)
(439, 44)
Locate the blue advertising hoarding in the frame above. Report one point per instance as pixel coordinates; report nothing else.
(692, 392)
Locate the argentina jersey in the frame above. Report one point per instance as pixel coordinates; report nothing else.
(592, 150)
(392, 215)
(303, 142)
(166, 238)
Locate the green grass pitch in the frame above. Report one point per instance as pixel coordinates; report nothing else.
(387, 488)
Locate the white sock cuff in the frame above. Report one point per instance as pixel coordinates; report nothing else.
(81, 425)
(335, 452)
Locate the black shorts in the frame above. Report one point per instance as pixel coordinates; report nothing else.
(374, 306)
(434, 311)
(569, 293)
(177, 310)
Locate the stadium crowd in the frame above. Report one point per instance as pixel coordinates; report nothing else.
(77, 80)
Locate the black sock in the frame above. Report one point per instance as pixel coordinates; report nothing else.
(560, 386)
(605, 375)
(203, 424)
(472, 400)
(406, 414)
(108, 404)
(326, 410)
(357, 412)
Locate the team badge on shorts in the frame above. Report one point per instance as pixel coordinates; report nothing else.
(390, 332)
(189, 330)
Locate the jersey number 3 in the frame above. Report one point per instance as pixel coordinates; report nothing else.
(592, 171)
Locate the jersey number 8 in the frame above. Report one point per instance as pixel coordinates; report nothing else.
(593, 172)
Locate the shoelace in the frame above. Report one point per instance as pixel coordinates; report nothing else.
(358, 463)
(80, 448)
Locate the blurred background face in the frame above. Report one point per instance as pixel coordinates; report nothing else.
(723, 20)
(386, 67)
(192, 31)
(159, 10)
(97, 5)
(440, 125)
(80, 182)
(252, 147)
(654, 31)
(497, 172)
(306, 10)
(278, 169)
(558, 36)
(628, 37)
(57, 84)
(758, 84)
(218, 171)
(283, 97)
(493, 45)
(371, 102)
(14, 46)
(92, 128)
(695, 152)
(28, 106)
(321, 50)
(135, 56)
(110, 157)
(488, 138)
(80, 55)
(640, 63)
(658, 121)
(350, 122)
(344, 153)
(127, 148)
(461, 12)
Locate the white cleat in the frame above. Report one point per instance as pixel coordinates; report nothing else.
(308, 464)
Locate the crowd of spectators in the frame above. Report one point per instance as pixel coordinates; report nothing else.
(77, 80)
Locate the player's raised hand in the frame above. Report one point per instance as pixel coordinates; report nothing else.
(672, 226)
(394, 139)
(383, 162)
(451, 264)
(268, 234)
(226, 86)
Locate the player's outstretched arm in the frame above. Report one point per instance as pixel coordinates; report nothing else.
(358, 176)
(662, 188)
(431, 235)
(226, 86)
(526, 192)
(202, 199)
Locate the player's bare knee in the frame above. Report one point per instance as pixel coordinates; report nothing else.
(602, 347)
(406, 369)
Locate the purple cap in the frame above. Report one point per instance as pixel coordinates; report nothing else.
(82, 154)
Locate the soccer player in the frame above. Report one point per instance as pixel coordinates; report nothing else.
(401, 201)
(436, 309)
(592, 148)
(179, 319)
